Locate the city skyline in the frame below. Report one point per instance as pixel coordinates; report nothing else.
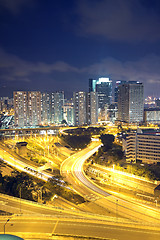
(58, 46)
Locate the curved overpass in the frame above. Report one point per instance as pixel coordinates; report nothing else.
(72, 170)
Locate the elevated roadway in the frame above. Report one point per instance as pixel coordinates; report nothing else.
(72, 170)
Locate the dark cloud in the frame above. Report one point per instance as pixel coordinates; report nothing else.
(146, 70)
(124, 20)
(14, 6)
(13, 68)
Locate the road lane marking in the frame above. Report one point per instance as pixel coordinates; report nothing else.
(55, 227)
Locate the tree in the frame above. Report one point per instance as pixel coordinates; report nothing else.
(107, 140)
(80, 141)
(64, 122)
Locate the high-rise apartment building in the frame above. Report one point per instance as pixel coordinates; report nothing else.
(34, 108)
(20, 108)
(92, 108)
(58, 107)
(79, 101)
(85, 108)
(130, 102)
(27, 108)
(103, 86)
(52, 107)
(46, 108)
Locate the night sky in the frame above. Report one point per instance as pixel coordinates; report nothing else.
(53, 45)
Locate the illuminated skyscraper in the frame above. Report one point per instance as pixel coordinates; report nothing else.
(130, 102)
(103, 86)
(52, 107)
(92, 85)
(46, 108)
(79, 101)
(27, 108)
(92, 108)
(20, 108)
(58, 101)
(34, 108)
(85, 108)
(118, 83)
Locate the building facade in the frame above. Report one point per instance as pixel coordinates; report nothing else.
(52, 107)
(143, 146)
(103, 86)
(58, 107)
(118, 83)
(20, 108)
(34, 108)
(68, 112)
(130, 102)
(80, 114)
(92, 108)
(85, 108)
(46, 108)
(111, 112)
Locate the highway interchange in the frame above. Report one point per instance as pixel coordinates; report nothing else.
(129, 216)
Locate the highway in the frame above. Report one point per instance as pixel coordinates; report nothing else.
(77, 222)
(72, 170)
(33, 227)
(26, 166)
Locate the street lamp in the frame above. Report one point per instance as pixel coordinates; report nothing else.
(5, 224)
(156, 202)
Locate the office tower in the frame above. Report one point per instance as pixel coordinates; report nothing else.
(79, 101)
(104, 89)
(58, 103)
(103, 86)
(34, 108)
(118, 83)
(130, 102)
(92, 108)
(92, 85)
(68, 112)
(20, 108)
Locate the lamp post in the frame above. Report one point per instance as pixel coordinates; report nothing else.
(5, 224)
(156, 202)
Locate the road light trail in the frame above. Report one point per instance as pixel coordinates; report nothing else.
(72, 169)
